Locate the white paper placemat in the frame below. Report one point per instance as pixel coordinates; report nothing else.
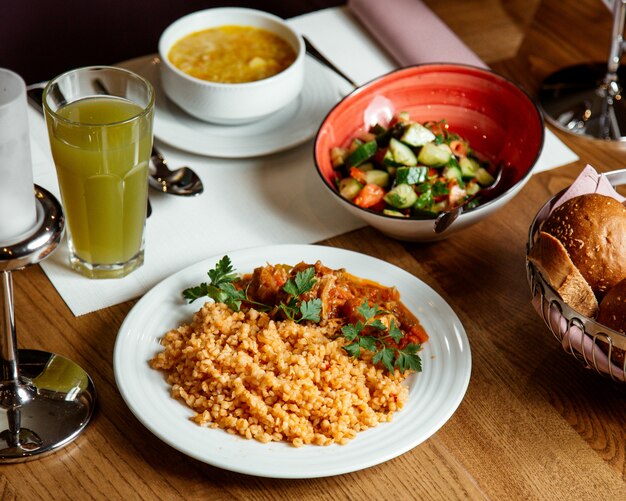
(252, 202)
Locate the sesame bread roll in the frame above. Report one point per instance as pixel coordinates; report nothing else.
(592, 228)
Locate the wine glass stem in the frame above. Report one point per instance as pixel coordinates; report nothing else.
(617, 43)
(8, 343)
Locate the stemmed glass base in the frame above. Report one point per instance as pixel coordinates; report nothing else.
(577, 100)
(55, 402)
(586, 99)
(46, 400)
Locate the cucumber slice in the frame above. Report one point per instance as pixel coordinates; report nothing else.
(469, 167)
(452, 172)
(434, 155)
(472, 188)
(483, 177)
(379, 177)
(402, 153)
(424, 200)
(440, 206)
(417, 135)
(394, 213)
(401, 197)
(411, 175)
(366, 166)
(349, 188)
(362, 153)
(338, 157)
(404, 116)
(389, 161)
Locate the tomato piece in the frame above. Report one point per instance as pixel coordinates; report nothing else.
(437, 128)
(457, 194)
(378, 207)
(358, 174)
(370, 195)
(459, 148)
(418, 334)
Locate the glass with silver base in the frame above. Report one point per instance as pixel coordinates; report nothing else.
(46, 400)
(588, 99)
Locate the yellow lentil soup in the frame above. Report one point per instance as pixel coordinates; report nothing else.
(232, 54)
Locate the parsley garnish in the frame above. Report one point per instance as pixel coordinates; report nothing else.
(384, 352)
(440, 139)
(295, 287)
(439, 189)
(425, 198)
(304, 282)
(222, 289)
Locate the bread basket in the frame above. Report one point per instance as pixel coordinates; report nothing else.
(582, 337)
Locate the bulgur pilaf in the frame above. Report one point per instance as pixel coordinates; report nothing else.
(275, 380)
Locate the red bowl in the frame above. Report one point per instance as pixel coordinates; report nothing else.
(497, 117)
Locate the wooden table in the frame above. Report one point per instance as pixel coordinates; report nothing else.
(534, 424)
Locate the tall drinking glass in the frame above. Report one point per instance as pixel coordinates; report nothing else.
(100, 129)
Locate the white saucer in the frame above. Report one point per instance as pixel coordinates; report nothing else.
(284, 129)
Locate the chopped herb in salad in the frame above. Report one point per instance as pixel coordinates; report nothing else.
(410, 169)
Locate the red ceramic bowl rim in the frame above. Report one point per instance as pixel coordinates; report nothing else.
(372, 82)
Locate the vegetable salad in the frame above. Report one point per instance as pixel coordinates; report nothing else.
(410, 169)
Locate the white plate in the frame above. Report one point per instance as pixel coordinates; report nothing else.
(287, 128)
(434, 394)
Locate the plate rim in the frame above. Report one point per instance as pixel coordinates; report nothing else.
(461, 381)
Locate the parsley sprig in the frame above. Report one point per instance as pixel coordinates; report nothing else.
(222, 290)
(384, 351)
(295, 309)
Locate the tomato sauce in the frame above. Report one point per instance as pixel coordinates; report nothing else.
(341, 294)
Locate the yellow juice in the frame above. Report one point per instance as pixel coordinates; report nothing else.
(103, 176)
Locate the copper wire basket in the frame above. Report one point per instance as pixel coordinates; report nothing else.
(582, 337)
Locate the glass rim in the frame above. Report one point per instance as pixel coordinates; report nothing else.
(144, 109)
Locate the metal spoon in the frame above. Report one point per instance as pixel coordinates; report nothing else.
(182, 181)
(445, 219)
